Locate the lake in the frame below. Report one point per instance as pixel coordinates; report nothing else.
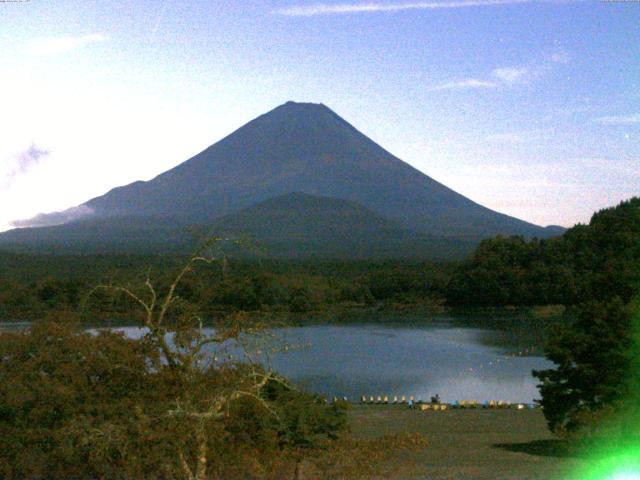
(459, 358)
(419, 360)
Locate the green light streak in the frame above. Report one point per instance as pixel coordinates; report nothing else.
(617, 453)
(626, 476)
(622, 466)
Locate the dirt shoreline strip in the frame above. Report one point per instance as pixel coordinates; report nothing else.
(482, 444)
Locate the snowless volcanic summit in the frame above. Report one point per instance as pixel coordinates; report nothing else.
(302, 148)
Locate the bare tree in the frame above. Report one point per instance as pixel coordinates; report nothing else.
(189, 350)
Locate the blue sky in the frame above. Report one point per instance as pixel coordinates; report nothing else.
(531, 108)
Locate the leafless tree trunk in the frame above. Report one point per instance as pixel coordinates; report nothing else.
(156, 308)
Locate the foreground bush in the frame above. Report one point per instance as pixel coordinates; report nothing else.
(176, 403)
(87, 405)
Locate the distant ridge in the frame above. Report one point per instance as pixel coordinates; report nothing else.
(294, 225)
(299, 225)
(297, 147)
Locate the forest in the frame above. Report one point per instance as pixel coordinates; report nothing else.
(594, 261)
(34, 285)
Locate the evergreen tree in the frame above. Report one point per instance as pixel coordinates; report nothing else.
(594, 357)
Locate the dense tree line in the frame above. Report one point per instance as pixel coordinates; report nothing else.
(32, 286)
(594, 270)
(511, 271)
(589, 262)
(595, 261)
(597, 348)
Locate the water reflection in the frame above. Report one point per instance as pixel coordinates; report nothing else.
(396, 359)
(420, 361)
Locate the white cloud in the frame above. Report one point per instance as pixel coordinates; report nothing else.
(54, 218)
(501, 76)
(19, 164)
(509, 75)
(464, 84)
(367, 7)
(44, 47)
(632, 119)
(505, 76)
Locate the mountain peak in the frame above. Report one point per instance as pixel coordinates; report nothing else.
(307, 148)
(293, 104)
(293, 109)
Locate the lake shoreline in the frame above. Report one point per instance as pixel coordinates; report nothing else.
(479, 358)
(338, 314)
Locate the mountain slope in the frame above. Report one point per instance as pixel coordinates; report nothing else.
(306, 148)
(297, 147)
(294, 225)
(301, 226)
(125, 234)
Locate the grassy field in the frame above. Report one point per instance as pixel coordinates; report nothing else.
(469, 444)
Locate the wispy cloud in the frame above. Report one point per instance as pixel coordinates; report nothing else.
(632, 119)
(21, 163)
(44, 47)
(369, 7)
(499, 77)
(506, 76)
(54, 218)
(509, 75)
(464, 84)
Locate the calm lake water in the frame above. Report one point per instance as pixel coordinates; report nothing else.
(421, 360)
(457, 358)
